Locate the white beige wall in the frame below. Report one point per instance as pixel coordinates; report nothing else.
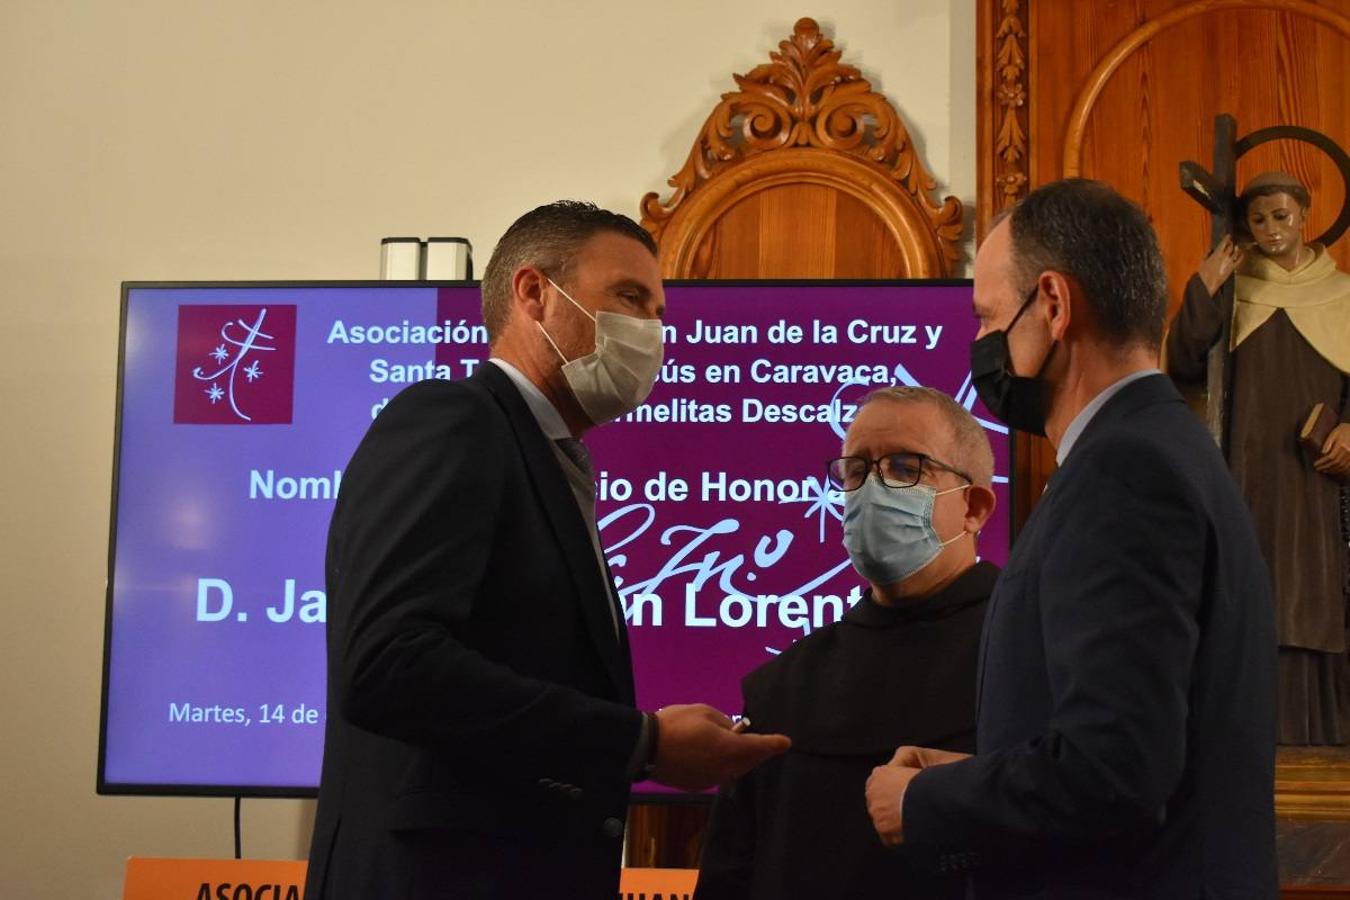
(255, 139)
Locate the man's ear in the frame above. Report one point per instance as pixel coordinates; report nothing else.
(980, 503)
(527, 291)
(1057, 289)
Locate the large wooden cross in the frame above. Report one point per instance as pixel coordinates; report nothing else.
(1216, 191)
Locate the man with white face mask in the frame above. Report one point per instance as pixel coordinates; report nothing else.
(899, 668)
(481, 736)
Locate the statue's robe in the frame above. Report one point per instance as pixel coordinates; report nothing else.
(1290, 342)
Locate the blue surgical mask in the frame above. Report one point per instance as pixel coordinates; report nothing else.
(889, 532)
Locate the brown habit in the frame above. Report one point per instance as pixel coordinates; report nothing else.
(1277, 377)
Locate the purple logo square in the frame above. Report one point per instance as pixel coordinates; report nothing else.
(236, 365)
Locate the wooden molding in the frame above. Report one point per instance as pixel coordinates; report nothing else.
(805, 118)
(1003, 109)
(1096, 81)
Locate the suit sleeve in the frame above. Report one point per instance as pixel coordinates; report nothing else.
(1119, 591)
(1194, 330)
(408, 551)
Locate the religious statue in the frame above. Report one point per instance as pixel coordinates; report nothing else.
(1289, 350)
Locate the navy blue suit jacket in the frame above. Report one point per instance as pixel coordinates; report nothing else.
(480, 705)
(1126, 723)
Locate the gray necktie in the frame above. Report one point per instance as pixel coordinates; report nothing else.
(576, 451)
(582, 481)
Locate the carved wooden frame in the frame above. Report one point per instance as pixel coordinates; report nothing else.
(805, 118)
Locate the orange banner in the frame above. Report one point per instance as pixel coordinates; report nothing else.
(151, 878)
(657, 884)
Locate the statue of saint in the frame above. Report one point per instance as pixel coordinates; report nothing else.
(1290, 350)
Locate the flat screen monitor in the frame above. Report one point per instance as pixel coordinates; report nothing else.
(239, 404)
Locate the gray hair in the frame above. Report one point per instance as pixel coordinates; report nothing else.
(969, 445)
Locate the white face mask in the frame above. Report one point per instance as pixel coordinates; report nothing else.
(617, 376)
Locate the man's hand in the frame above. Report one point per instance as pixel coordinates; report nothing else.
(925, 757)
(1335, 458)
(1219, 265)
(885, 800)
(696, 748)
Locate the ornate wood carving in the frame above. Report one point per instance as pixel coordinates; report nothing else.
(804, 118)
(1003, 110)
(1010, 146)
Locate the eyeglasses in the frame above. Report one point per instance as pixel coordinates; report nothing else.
(897, 470)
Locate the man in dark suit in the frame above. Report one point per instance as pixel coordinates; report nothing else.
(899, 668)
(481, 734)
(1126, 725)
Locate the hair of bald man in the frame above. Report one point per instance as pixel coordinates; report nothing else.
(967, 444)
(1086, 230)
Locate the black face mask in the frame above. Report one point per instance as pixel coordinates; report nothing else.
(1015, 400)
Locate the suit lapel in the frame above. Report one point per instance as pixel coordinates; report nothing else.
(560, 506)
(1024, 540)
(625, 667)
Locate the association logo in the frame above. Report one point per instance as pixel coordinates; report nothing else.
(236, 365)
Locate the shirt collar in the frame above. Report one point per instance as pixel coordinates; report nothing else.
(1080, 421)
(550, 421)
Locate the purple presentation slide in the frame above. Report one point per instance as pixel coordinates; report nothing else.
(240, 404)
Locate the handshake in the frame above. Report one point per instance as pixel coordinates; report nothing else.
(698, 747)
(886, 788)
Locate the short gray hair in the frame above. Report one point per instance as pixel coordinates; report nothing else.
(969, 445)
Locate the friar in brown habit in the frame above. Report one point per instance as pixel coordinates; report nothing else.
(1290, 349)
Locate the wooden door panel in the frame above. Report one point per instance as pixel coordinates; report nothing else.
(864, 248)
(799, 231)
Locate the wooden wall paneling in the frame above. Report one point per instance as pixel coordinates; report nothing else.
(666, 835)
(1266, 62)
(1125, 90)
(863, 246)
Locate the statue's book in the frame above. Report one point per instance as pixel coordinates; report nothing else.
(1316, 428)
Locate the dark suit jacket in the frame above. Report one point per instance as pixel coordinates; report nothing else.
(1126, 726)
(480, 715)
